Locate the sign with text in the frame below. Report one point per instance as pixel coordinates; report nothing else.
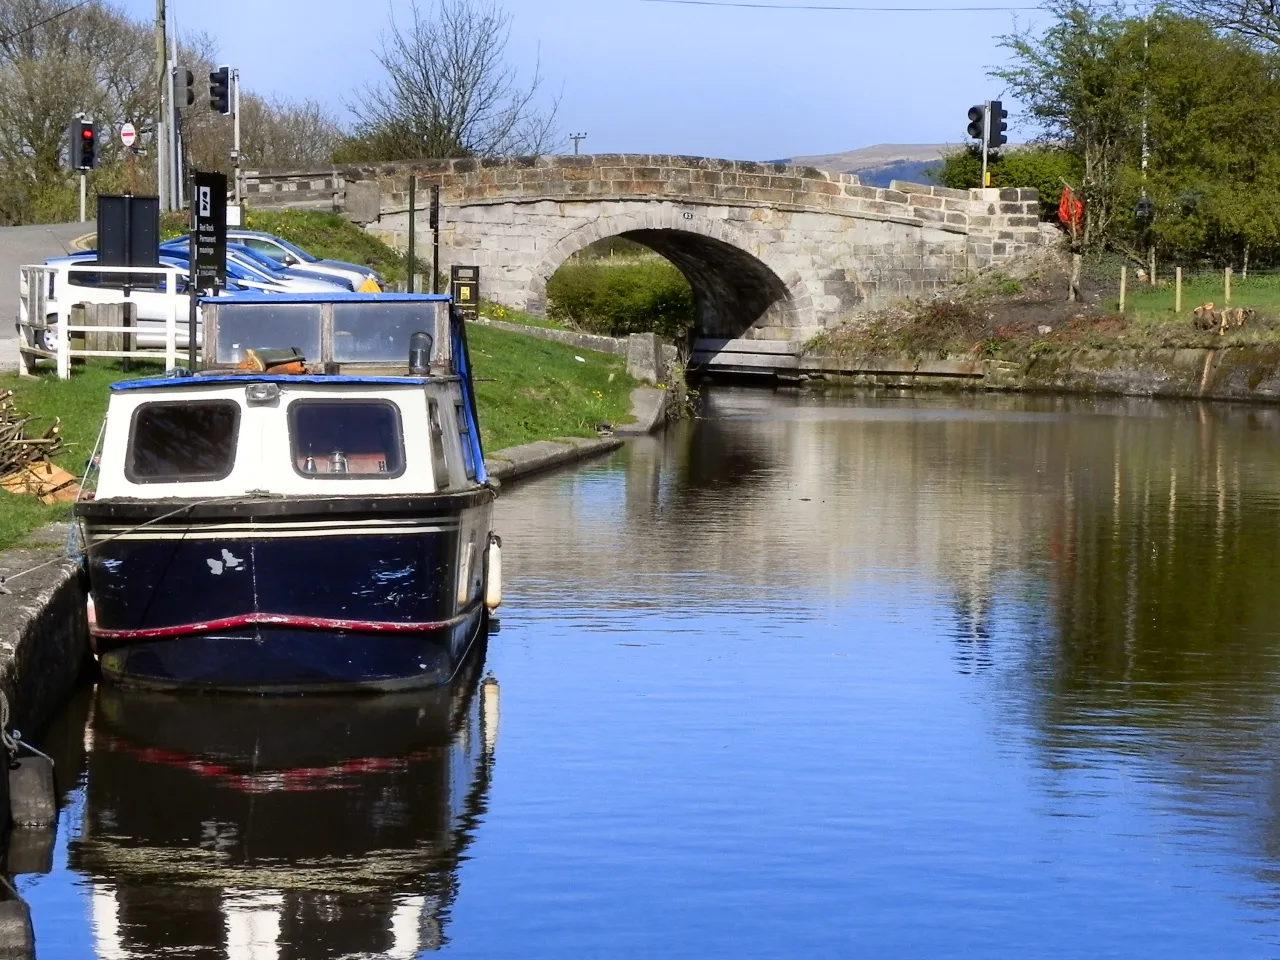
(464, 287)
(208, 230)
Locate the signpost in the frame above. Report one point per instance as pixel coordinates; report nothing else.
(207, 255)
(464, 286)
(128, 136)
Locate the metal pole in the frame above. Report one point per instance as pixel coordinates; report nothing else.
(435, 238)
(175, 157)
(986, 140)
(235, 79)
(413, 213)
(83, 192)
(162, 134)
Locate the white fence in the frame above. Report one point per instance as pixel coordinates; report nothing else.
(47, 298)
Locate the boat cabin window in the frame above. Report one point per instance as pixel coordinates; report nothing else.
(341, 439)
(183, 442)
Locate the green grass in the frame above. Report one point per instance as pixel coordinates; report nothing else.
(496, 311)
(529, 390)
(1261, 292)
(538, 391)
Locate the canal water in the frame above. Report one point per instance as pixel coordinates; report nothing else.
(886, 676)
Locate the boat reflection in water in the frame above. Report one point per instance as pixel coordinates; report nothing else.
(282, 828)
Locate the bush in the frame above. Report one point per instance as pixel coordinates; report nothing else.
(1044, 168)
(616, 300)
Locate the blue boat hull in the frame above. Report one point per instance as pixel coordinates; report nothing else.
(294, 601)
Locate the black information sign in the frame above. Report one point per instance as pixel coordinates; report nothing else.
(209, 230)
(464, 287)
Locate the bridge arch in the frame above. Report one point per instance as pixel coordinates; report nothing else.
(737, 287)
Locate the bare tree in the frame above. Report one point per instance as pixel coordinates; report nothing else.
(1256, 20)
(449, 90)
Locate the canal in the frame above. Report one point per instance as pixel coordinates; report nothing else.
(909, 676)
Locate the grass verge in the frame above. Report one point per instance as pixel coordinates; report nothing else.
(527, 390)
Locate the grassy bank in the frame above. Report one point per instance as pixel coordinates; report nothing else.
(527, 390)
(1024, 316)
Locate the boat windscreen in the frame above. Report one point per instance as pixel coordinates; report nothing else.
(379, 332)
(268, 326)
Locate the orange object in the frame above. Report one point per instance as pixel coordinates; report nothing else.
(1071, 210)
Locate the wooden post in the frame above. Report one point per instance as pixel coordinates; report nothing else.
(1073, 291)
(1177, 289)
(1226, 286)
(1124, 278)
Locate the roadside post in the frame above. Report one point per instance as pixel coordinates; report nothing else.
(413, 215)
(1177, 289)
(1226, 286)
(1124, 279)
(128, 137)
(207, 255)
(435, 238)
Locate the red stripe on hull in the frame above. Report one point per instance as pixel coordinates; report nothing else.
(275, 620)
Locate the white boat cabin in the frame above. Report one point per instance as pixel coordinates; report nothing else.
(227, 435)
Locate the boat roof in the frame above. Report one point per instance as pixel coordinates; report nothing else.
(163, 383)
(340, 296)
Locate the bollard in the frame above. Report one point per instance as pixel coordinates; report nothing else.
(1124, 278)
(32, 802)
(1226, 286)
(1177, 290)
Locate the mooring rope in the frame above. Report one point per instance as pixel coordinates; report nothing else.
(12, 740)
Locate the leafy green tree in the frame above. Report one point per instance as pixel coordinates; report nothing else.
(1081, 85)
(1043, 167)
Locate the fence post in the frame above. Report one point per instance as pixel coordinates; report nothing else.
(1177, 289)
(1226, 286)
(64, 343)
(1124, 279)
(171, 321)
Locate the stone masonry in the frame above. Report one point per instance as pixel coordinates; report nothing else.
(771, 251)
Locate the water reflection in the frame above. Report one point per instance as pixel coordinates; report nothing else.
(281, 828)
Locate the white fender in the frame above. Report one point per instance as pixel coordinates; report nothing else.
(493, 578)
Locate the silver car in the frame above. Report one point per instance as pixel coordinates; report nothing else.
(362, 279)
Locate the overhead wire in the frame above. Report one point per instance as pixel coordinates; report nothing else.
(840, 8)
(49, 19)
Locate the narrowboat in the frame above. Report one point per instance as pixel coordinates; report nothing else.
(284, 826)
(275, 524)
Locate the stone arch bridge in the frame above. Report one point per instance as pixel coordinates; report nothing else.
(772, 251)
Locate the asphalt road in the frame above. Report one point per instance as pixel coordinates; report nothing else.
(30, 244)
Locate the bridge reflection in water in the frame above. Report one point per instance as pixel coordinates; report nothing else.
(281, 828)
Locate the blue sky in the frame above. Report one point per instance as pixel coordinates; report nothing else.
(652, 77)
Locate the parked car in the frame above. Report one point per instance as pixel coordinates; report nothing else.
(67, 287)
(243, 268)
(362, 279)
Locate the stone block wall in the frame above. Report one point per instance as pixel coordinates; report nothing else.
(791, 249)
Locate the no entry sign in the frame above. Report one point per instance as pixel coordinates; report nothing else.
(128, 135)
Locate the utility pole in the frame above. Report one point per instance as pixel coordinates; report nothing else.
(577, 138)
(235, 150)
(162, 86)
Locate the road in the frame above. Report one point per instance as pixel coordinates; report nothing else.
(30, 244)
(22, 245)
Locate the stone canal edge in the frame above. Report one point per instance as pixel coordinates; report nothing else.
(44, 636)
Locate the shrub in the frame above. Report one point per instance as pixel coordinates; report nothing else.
(616, 300)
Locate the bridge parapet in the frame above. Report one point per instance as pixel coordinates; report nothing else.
(794, 247)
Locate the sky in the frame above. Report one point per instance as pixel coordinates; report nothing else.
(644, 77)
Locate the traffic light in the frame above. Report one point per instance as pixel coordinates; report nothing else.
(998, 125)
(189, 84)
(220, 90)
(977, 117)
(84, 145)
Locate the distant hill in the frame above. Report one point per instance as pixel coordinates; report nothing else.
(876, 166)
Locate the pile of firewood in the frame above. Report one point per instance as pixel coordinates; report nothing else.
(26, 455)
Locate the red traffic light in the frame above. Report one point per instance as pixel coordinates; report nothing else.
(87, 133)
